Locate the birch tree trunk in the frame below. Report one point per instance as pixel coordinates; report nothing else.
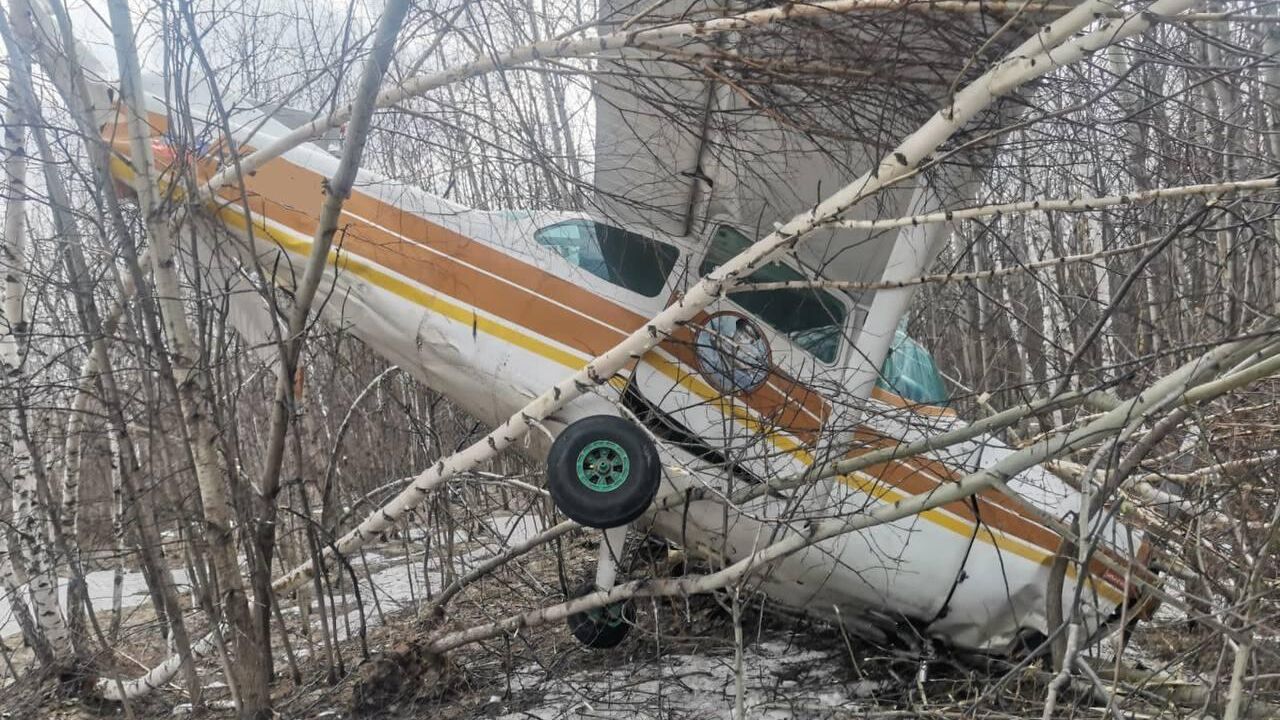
(12, 582)
(118, 535)
(283, 412)
(31, 522)
(186, 359)
(70, 513)
(1271, 93)
(30, 516)
(13, 251)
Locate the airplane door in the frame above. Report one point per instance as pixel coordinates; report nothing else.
(742, 384)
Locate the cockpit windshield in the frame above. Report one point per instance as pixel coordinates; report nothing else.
(811, 318)
(631, 261)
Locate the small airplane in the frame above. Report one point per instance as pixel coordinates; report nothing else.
(491, 307)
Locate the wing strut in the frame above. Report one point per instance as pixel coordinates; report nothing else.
(696, 175)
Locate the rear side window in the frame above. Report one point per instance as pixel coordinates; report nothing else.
(811, 318)
(910, 372)
(632, 261)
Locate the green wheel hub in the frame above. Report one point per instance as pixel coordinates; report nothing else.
(603, 466)
(609, 615)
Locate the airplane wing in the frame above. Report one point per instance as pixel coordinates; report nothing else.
(769, 125)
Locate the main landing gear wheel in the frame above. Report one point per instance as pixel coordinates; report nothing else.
(605, 627)
(603, 472)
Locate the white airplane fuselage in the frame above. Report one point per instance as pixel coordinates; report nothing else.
(475, 307)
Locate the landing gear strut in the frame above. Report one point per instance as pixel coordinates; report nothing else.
(603, 472)
(606, 627)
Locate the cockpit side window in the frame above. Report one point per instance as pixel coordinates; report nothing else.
(910, 373)
(812, 319)
(632, 261)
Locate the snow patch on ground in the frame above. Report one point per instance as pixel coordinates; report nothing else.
(134, 593)
(399, 582)
(780, 681)
(403, 583)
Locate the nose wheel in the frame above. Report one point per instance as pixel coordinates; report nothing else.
(603, 472)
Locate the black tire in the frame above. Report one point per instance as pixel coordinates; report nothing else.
(612, 497)
(604, 627)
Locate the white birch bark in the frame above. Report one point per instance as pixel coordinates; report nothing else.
(67, 228)
(15, 227)
(87, 102)
(118, 535)
(1136, 135)
(63, 78)
(184, 352)
(14, 249)
(1271, 94)
(31, 524)
(1078, 204)
(30, 517)
(1094, 242)
(71, 462)
(12, 584)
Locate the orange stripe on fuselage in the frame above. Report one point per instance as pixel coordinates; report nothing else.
(917, 474)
